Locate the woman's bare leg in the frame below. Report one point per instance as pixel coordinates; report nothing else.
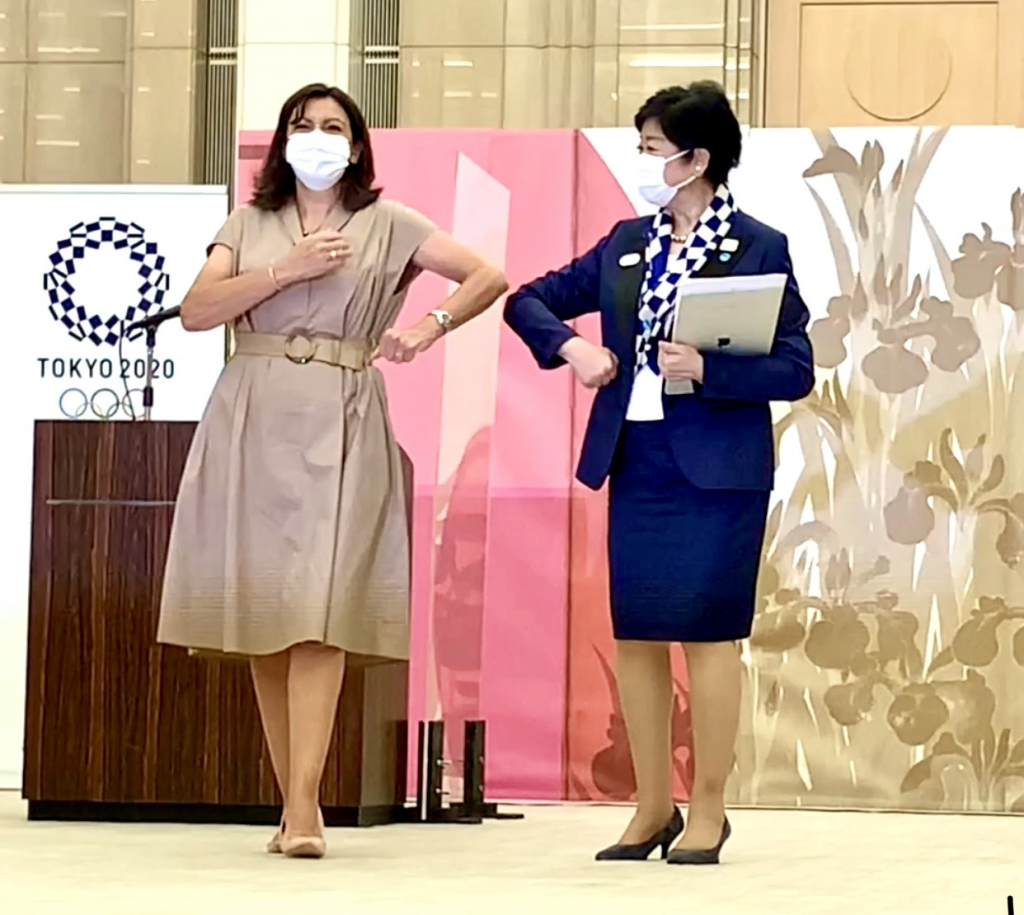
(645, 690)
(315, 676)
(715, 672)
(270, 678)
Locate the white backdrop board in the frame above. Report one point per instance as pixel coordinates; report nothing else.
(77, 266)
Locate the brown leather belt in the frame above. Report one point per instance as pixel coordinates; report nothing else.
(301, 350)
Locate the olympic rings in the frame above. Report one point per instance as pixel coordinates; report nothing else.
(105, 403)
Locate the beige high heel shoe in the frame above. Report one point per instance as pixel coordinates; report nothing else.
(304, 847)
(275, 847)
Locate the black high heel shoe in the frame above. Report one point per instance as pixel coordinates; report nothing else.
(701, 855)
(642, 851)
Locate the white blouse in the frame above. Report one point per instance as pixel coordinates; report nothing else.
(645, 403)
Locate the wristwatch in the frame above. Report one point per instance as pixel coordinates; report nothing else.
(444, 318)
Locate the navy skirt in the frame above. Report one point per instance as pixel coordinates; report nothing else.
(683, 561)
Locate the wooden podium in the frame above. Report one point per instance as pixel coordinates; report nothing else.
(121, 728)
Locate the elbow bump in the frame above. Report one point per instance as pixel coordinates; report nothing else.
(497, 281)
(806, 384)
(511, 309)
(191, 321)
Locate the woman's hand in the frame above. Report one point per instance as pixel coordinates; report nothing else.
(595, 366)
(321, 253)
(405, 345)
(679, 362)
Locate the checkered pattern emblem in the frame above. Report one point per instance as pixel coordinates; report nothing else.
(122, 236)
(663, 275)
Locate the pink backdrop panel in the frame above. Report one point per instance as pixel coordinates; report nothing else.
(252, 149)
(490, 437)
(599, 765)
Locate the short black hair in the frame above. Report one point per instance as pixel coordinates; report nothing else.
(698, 116)
(275, 185)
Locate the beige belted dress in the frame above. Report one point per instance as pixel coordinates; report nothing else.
(291, 522)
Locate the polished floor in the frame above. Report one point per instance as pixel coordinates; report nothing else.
(790, 863)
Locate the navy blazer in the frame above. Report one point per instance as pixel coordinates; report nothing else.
(721, 434)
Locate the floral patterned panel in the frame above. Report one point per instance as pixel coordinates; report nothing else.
(886, 668)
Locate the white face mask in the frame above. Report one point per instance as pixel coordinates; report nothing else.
(651, 179)
(318, 159)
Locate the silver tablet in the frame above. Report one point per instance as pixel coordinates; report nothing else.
(728, 314)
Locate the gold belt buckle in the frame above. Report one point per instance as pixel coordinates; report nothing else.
(302, 358)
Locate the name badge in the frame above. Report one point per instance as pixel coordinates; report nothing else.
(729, 245)
(629, 260)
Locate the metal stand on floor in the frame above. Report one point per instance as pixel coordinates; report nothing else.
(147, 391)
(430, 794)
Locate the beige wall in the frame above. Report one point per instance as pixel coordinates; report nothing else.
(498, 63)
(926, 62)
(96, 90)
(563, 63)
(104, 90)
(282, 47)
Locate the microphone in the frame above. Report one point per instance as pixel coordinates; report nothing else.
(154, 321)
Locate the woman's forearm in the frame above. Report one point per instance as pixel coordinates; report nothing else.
(482, 288)
(221, 302)
(478, 292)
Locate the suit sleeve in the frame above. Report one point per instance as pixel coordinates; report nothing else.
(787, 372)
(538, 311)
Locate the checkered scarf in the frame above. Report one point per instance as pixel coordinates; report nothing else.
(664, 275)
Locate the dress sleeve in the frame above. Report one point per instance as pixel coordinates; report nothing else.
(409, 230)
(230, 236)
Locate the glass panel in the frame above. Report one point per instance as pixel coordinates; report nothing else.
(606, 89)
(456, 87)
(75, 123)
(533, 86)
(535, 24)
(88, 31)
(732, 22)
(549, 87)
(672, 22)
(162, 116)
(164, 23)
(12, 122)
(558, 23)
(746, 23)
(453, 23)
(633, 48)
(643, 71)
(606, 23)
(13, 30)
(746, 76)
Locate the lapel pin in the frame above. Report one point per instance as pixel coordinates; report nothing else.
(629, 260)
(730, 245)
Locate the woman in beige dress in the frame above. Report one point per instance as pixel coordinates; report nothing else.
(290, 538)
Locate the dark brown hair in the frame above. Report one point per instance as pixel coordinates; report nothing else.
(275, 186)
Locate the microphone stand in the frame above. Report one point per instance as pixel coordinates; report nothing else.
(147, 391)
(151, 325)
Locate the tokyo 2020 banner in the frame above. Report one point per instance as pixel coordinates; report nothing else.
(79, 266)
(887, 659)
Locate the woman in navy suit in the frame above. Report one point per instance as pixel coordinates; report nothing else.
(690, 475)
